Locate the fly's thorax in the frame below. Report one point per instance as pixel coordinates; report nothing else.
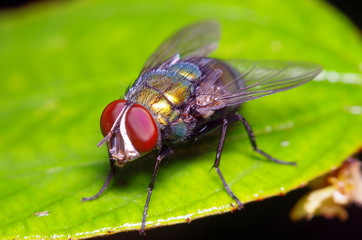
(133, 134)
(164, 91)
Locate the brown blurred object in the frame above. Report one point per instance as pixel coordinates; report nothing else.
(331, 193)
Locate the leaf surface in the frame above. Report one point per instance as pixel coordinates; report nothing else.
(62, 63)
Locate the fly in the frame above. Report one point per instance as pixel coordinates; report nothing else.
(181, 94)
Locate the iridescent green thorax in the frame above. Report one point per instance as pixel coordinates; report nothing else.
(166, 91)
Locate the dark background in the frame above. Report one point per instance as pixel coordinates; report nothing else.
(350, 8)
(265, 219)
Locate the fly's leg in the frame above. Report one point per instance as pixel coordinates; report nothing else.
(165, 151)
(217, 163)
(105, 185)
(253, 142)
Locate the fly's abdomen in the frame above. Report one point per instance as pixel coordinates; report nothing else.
(219, 80)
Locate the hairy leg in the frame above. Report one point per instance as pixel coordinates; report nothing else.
(165, 151)
(217, 163)
(105, 185)
(253, 142)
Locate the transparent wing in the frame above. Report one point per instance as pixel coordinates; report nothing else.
(199, 39)
(256, 79)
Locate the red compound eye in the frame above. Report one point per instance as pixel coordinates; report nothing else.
(110, 114)
(141, 128)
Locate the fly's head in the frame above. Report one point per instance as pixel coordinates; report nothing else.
(130, 131)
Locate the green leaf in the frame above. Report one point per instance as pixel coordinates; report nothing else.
(61, 64)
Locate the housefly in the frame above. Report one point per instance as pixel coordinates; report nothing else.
(181, 94)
